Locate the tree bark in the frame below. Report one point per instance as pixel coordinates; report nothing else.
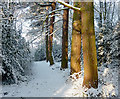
(64, 63)
(100, 38)
(105, 11)
(47, 38)
(100, 21)
(89, 46)
(119, 10)
(76, 41)
(51, 35)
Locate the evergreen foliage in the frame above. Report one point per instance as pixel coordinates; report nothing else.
(15, 50)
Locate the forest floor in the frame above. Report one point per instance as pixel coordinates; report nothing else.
(43, 80)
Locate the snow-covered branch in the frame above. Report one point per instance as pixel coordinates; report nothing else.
(68, 5)
(57, 10)
(44, 35)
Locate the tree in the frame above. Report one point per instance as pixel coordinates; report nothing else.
(89, 47)
(76, 41)
(40, 53)
(105, 10)
(64, 63)
(15, 51)
(100, 35)
(119, 10)
(47, 55)
(51, 35)
(100, 14)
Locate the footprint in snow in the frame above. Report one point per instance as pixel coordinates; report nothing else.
(52, 68)
(5, 93)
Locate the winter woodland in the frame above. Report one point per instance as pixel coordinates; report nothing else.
(59, 49)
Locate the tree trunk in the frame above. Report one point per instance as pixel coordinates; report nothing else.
(64, 63)
(100, 38)
(101, 9)
(89, 46)
(108, 12)
(47, 38)
(105, 11)
(119, 11)
(112, 16)
(51, 35)
(76, 41)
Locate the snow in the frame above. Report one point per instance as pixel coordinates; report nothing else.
(44, 81)
(68, 5)
(49, 81)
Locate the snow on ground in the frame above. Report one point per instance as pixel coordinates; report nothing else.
(50, 81)
(45, 81)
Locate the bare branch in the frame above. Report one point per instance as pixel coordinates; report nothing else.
(44, 35)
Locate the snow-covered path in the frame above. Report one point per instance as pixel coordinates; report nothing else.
(49, 81)
(44, 81)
